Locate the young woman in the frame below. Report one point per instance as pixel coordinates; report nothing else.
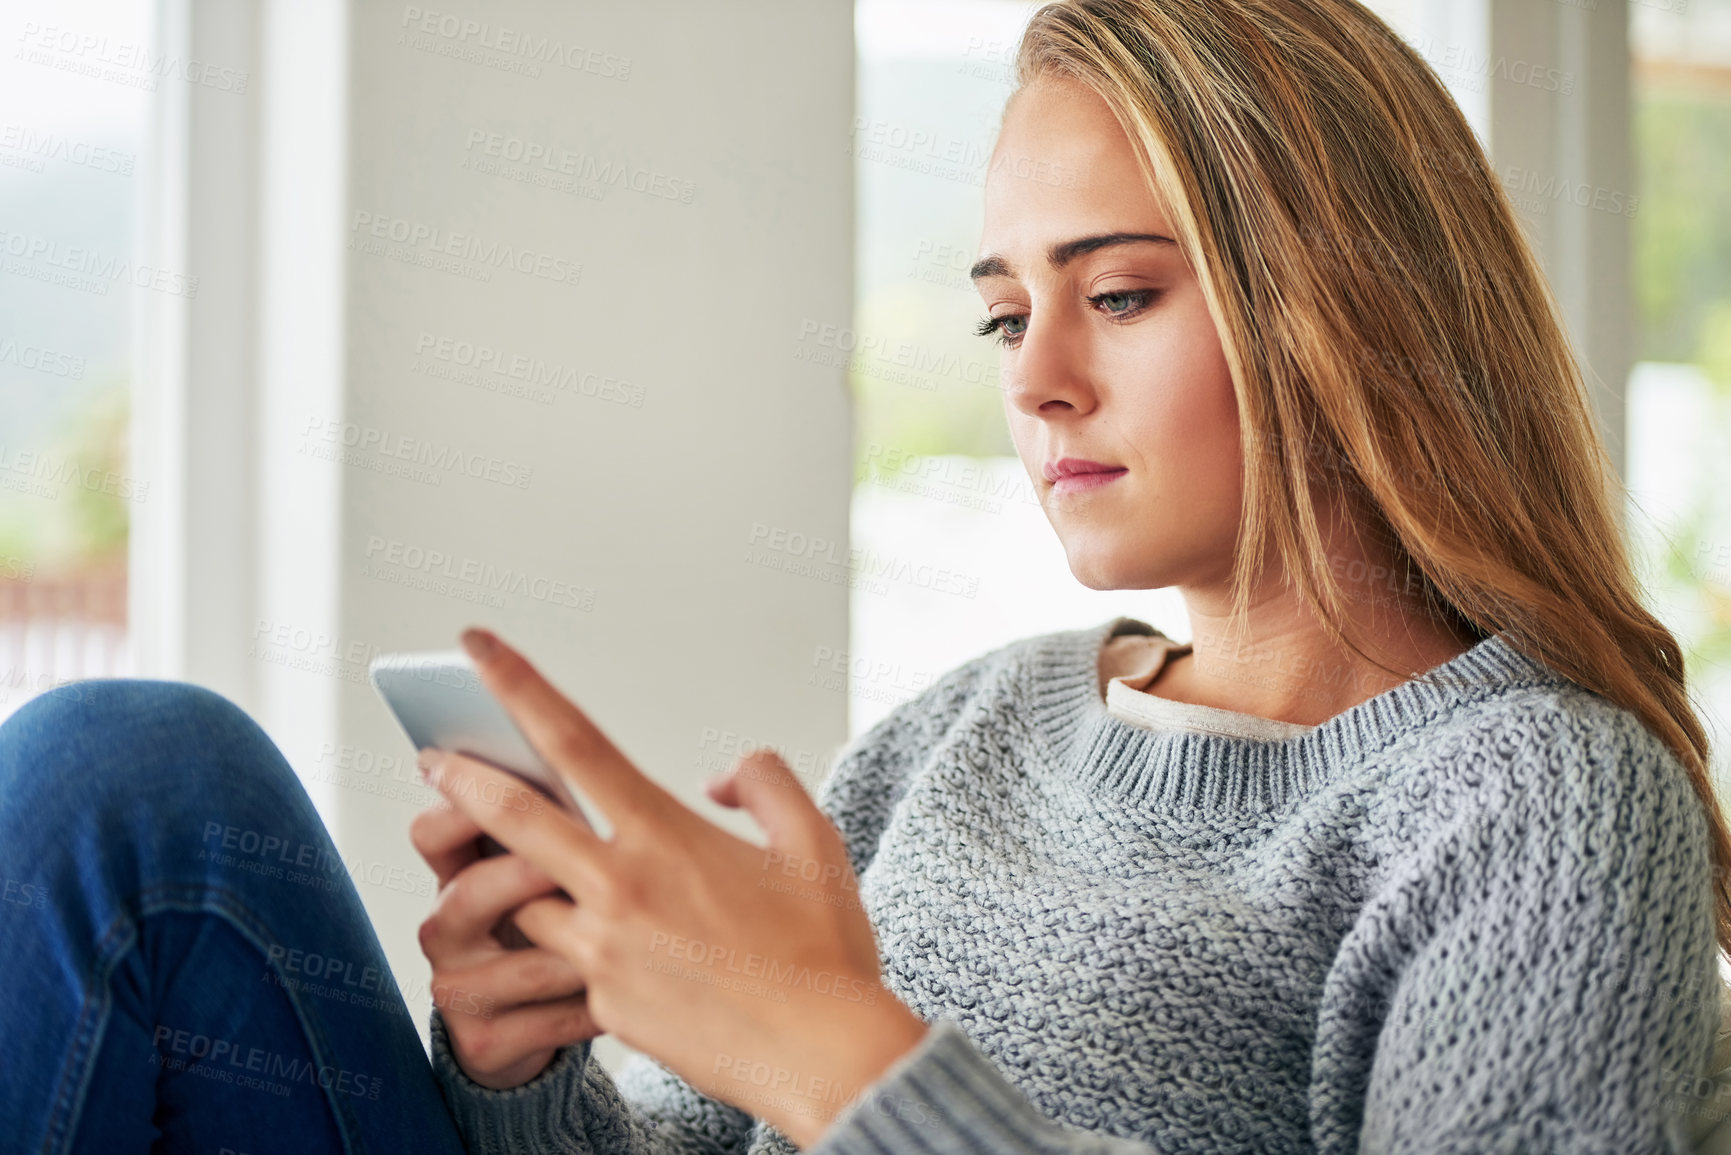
(1411, 848)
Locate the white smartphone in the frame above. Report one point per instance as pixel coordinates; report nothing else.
(439, 700)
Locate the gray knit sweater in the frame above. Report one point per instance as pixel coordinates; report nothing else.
(1471, 914)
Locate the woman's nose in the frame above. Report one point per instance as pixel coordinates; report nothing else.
(1048, 368)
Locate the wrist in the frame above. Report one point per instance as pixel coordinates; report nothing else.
(854, 1050)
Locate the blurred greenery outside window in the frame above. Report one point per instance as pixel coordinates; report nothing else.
(1680, 395)
(70, 150)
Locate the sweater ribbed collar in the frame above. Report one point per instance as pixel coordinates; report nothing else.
(1182, 770)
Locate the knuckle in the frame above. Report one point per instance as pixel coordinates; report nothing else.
(423, 829)
(481, 1042)
(528, 875)
(512, 673)
(508, 802)
(633, 819)
(546, 972)
(535, 974)
(524, 803)
(606, 956)
(453, 898)
(428, 934)
(584, 953)
(605, 896)
(572, 743)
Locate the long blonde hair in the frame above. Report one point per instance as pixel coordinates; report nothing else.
(1389, 333)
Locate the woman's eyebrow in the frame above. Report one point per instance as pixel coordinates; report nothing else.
(1062, 253)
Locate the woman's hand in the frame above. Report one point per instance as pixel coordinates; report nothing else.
(508, 1005)
(751, 972)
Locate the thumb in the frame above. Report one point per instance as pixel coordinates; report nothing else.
(765, 786)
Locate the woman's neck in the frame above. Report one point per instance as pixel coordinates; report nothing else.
(1281, 662)
(1299, 677)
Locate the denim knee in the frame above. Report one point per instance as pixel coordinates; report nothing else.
(124, 743)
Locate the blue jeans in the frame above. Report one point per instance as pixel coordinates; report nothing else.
(186, 964)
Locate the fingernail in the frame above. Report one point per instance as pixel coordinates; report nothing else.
(427, 759)
(479, 644)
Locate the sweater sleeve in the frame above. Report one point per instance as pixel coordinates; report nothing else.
(945, 1097)
(575, 1107)
(1559, 987)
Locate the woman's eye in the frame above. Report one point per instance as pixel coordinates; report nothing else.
(1123, 302)
(1004, 329)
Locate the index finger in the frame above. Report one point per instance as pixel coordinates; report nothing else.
(559, 731)
(513, 812)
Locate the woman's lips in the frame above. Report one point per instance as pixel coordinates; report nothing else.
(1074, 482)
(1071, 474)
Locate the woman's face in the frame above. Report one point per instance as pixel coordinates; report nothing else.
(1110, 353)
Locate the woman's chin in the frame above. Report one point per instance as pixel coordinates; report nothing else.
(1101, 569)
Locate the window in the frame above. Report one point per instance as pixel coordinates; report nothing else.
(1680, 392)
(76, 91)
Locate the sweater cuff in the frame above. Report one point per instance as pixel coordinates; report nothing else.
(944, 1097)
(542, 1117)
